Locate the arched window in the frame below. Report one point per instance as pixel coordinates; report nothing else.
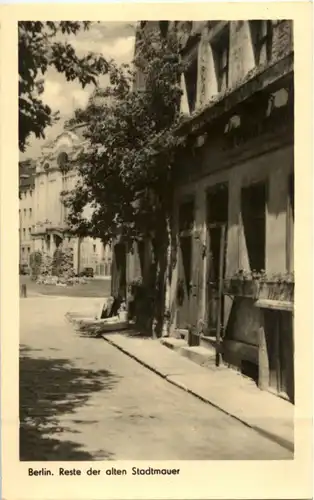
(63, 162)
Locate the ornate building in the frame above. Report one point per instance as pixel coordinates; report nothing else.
(26, 190)
(43, 215)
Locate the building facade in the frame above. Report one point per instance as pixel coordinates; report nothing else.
(233, 205)
(43, 213)
(234, 197)
(26, 205)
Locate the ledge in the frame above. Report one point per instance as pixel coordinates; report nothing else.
(275, 304)
(265, 77)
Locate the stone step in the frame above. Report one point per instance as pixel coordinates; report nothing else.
(203, 356)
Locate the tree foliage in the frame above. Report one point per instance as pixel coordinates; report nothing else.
(126, 167)
(43, 45)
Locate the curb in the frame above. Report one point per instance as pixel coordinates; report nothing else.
(272, 437)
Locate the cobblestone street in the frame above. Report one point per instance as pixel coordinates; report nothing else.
(82, 399)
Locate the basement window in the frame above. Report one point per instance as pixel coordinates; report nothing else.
(261, 34)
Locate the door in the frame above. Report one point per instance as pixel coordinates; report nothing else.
(217, 243)
(280, 347)
(184, 282)
(217, 223)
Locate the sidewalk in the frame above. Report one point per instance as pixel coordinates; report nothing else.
(221, 387)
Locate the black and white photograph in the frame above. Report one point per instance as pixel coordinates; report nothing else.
(156, 241)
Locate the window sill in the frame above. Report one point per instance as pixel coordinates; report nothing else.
(274, 304)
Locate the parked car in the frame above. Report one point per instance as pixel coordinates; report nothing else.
(88, 272)
(24, 269)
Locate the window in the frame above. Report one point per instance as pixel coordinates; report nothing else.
(191, 84)
(28, 249)
(220, 47)
(217, 204)
(25, 212)
(94, 248)
(30, 212)
(261, 34)
(253, 208)
(29, 230)
(24, 232)
(23, 249)
(186, 216)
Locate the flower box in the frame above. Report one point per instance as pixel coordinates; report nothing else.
(241, 287)
(276, 290)
(282, 291)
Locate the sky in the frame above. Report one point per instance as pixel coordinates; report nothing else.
(113, 40)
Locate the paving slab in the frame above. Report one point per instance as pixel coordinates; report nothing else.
(153, 355)
(221, 387)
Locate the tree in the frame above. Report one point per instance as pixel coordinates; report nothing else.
(41, 47)
(126, 171)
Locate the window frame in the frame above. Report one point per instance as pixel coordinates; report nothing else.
(191, 61)
(246, 192)
(260, 40)
(220, 47)
(185, 229)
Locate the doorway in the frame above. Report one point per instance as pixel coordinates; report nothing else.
(280, 349)
(217, 224)
(184, 282)
(184, 285)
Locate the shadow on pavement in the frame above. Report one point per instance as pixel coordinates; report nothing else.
(50, 388)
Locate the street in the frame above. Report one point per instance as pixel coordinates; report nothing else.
(82, 399)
